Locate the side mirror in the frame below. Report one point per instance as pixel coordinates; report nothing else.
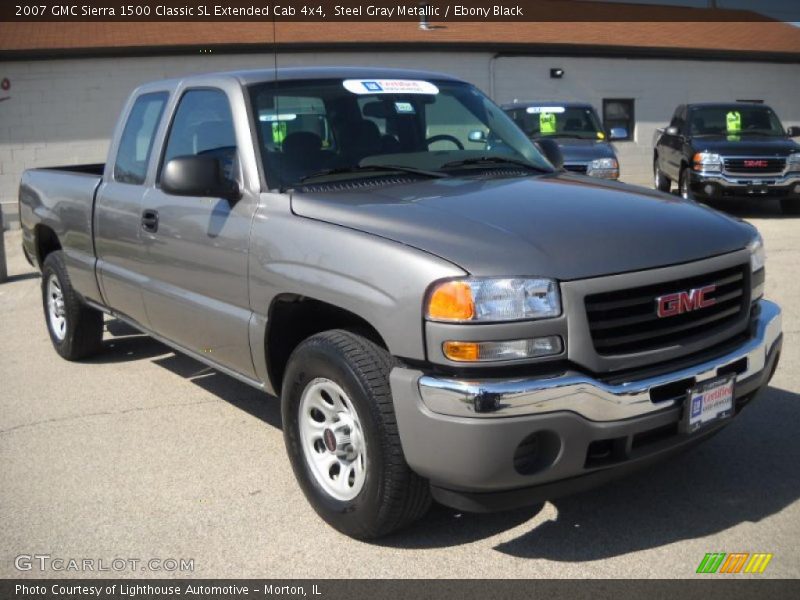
(671, 131)
(552, 152)
(477, 136)
(793, 131)
(198, 175)
(618, 133)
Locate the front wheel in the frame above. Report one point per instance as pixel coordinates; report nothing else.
(661, 181)
(790, 206)
(341, 435)
(75, 329)
(683, 185)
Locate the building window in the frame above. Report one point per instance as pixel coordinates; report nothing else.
(618, 114)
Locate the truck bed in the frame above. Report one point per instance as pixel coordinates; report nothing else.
(61, 199)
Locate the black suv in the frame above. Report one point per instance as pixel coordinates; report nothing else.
(716, 151)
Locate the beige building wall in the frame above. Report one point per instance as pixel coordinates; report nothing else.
(61, 112)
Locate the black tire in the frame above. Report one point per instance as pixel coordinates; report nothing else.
(83, 332)
(683, 184)
(790, 206)
(661, 181)
(392, 496)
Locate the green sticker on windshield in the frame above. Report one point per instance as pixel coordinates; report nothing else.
(547, 122)
(278, 132)
(733, 121)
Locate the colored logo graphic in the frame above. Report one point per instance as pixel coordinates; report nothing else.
(735, 562)
(373, 86)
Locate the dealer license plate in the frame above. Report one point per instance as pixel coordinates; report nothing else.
(707, 403)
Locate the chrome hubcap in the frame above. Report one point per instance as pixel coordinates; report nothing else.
(332, 440)
(55, 308)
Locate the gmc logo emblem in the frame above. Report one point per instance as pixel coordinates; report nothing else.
(756, 164)
(683, 302)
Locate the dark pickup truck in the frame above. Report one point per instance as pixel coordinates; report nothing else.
(577, 130)
(718, 151)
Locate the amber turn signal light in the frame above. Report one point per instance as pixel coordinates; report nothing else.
(451, 301)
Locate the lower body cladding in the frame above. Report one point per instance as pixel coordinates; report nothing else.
(725, 185)
(501, 444)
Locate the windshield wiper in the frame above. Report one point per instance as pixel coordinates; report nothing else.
(493, 161)
(372, 168)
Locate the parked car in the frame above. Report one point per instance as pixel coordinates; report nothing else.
(578, 131)
(729, 151)
(440, 320)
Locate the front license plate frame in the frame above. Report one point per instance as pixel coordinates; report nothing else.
(709, 403)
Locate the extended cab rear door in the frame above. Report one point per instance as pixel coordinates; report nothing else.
(196, 248)
(118, 202)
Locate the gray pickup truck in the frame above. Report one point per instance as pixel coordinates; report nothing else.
(443, 318)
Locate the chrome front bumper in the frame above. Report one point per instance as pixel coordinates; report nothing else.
(588, 397)
(728, 180)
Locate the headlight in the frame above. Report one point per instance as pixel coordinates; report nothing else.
(707, 161)
(793, 162)
(607, 168)
(486, 300)
(758, 256)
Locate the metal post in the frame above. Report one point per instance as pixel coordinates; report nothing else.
(3, 267)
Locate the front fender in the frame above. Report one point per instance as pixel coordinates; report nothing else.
(381, 281)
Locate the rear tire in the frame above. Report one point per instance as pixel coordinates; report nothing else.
(75, 329)
(790, 206)
(338, 414)
(662, 182)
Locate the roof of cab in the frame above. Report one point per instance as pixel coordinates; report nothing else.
(725, 105)
(527, 103)
(254, 76)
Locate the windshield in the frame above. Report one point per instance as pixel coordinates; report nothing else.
(560, 121)
(734, 120)
(333, 129)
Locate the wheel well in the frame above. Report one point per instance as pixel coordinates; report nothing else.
(293, 319)
(46, 242)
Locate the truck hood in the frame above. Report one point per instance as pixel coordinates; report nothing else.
(746, 146)
(579, 151)
(559, 226)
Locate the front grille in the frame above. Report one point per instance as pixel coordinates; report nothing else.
(625, 321)
(755, 165)
(577, 168)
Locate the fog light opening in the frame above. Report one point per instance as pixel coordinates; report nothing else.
(537, 452)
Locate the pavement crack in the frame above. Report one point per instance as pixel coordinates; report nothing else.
(104, 414)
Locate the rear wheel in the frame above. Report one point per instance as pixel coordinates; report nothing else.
(790, 206)
(660, 181)
(75, 329)
(341, 435)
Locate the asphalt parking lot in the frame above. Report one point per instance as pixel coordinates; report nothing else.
(142, 453)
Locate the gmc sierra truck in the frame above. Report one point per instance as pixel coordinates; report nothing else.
(729, 151)
(442, 318)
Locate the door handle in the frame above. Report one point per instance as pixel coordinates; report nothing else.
(150, 220)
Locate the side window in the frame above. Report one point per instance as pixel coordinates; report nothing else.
(203, 124)
(619, 112)
(137, 138)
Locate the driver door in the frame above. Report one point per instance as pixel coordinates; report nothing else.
(196, 248)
